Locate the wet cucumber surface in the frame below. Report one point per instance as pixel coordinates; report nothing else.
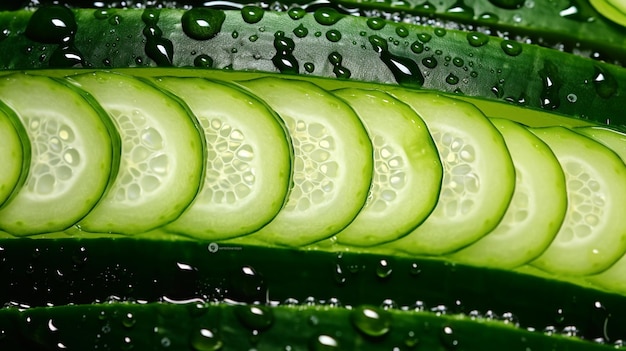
(196, 285)
(446, 60)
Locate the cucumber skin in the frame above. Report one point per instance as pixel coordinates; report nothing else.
(200, 326)
(537, 78)
(130, 269)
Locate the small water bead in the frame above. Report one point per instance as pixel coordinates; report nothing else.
(152, 31)
(128, 320)
(402, 31)
(440, 32)
(426, 7)
(255, 317)
(371, 321)
(301, 31)
(296, 13)
(417, 47)
(383, 269)
(572, 98)
(205, 340)
(424, 37)
(202, 23)
(333, 35)
(376, 23)
(324, 343)
(150, 16)
(429, 62)
(477, 39)
(327, 16)
(460, 9)
(235, 34)
(511, 48)
(252, 14)
(604, 83)
(309, 67)
(160, 50)
(489, 17)
(203, 61)
(449, 338)
(253, 38)
(452, 79)
(458, 62)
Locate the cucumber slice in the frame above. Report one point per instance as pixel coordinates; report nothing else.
(248, 166)
(593, 235)
(407, 169)
(611, 138)
(162, 155)
(614, 10)
(478, 178)
(73, 154)
(537, 208)
(333, 161)
(15, 154)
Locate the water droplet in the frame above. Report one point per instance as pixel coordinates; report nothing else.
(551, 85)
(426, 7)
(255, 317)
(205, 340)
(417, 47)
(296, 13)
(511, 48)
(128, 320)
(448, 338)
(51, 24)
(323, 343)
(150, 16)
(424, 37)
(203, 61)
(333, 35)
(508, 4)
(371, 321)
(202, 23)
(452, 79)
(604, 83)
(383, 269)
(429, 62)
(376, 23)
(577, 13)
(440, 32)
(405, 70)
(301, 31)
(160, 50)
(327, 16)
(309, 67)
(402, 31)
(457, 61)
(247, 286)
(252, 14)
(460, 9)
(477, 39)
(489, 17)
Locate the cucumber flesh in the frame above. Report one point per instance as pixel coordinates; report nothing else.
(248, 166)
(478, 178)
(15, 154)
(162, 155)
(407, 171)
(593, 235)
(333, 162)
(537, 208)
(73, 155)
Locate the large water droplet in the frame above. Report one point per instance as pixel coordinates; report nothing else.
(255, 317)
(252, 14)
(323, 343)
(205, 340)
(202, 23)
(477, 39)
(51, 24)
(376, 23)
(551, 85)
(511, 48)
(604, 83)
(327, 16)
(371, 321)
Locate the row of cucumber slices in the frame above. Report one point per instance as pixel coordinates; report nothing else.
(279, 161)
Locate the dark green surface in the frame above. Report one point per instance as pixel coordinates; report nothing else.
(63, 271)
(202, 327)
